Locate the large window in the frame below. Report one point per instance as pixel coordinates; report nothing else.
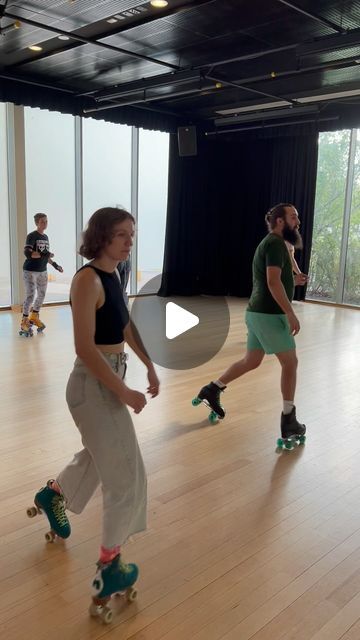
(352, 269)
(74, 166)
(153, 186)
(5, 286)
(50, 189)
(106, 166)
(335, 257)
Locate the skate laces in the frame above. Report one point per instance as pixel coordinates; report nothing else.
(57, 504)
(124, 568)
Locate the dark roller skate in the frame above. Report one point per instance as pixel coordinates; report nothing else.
(114, 578)
(292, 432)
(53, 505)
(35, 320)
(210, 395)
(25, 327)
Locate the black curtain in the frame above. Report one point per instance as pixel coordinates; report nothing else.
(294, 180)
(53, 99)
(217, 203)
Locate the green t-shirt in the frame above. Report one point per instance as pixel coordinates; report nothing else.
(271, 252)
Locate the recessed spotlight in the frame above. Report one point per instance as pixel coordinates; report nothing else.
(35, 47)
(63, 38)
(159, 4)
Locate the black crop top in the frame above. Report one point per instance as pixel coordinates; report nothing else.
(113, 316)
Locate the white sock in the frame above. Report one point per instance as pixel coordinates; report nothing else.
(219, 384)
(288, 406)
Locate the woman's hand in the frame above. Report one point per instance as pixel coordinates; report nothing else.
(154, 382)
(134, 399)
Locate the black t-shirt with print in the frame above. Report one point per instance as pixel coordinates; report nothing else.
(36, 241)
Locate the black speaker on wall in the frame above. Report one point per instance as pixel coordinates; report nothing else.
(187, 141)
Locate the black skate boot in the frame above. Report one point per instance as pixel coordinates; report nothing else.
(292, 432)
(210, 395)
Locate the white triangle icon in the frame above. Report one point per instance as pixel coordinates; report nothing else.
(178, 320)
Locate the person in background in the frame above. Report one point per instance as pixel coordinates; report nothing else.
(295, 267)
(38, 256)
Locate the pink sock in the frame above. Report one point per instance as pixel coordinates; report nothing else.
(54, 485)
(107, 555)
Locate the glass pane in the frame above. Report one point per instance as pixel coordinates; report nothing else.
(153, 188)
(352, 271)
(50, 189)
(5, 284)
(328, 218)
(106, 166)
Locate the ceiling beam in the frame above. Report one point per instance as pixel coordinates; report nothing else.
(266, 115)
(144, 99)
(272, 125)
(313, 16)
(161, 80)
(240, 85)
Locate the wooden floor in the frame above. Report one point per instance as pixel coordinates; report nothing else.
(242, 542)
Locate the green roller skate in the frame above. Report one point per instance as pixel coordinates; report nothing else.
(292, 432)
(53, 505)
(210, 395)
(115, 578)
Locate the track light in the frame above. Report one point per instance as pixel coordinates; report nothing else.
(10, 27)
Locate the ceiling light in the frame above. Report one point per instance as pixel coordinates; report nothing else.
(63, 38)
(111, 20)
(35, 47)
(159, 4)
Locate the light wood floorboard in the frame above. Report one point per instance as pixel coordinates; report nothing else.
(241, 543)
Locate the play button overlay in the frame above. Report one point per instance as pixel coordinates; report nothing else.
(180, 332)
(178, 320)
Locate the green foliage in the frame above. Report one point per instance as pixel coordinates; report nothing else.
(328, 221)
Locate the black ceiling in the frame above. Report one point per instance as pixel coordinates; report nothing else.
(192, 59)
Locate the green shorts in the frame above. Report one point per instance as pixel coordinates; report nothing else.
(269, 332)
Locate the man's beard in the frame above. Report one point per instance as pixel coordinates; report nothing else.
(293, 236)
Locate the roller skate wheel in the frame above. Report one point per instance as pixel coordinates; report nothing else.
(213, 417)
(50, 536)
(280, 443)
(31, 512)
(131, 594)
(106, 615)
(195, 402)
(94, 610)
(289, 445)
(302, 439)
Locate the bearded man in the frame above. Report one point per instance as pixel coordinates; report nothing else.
(270, 317)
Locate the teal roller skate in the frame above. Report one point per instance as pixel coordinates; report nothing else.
(114, 578)
(53, 505)
(210, 395)
(292, 432)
